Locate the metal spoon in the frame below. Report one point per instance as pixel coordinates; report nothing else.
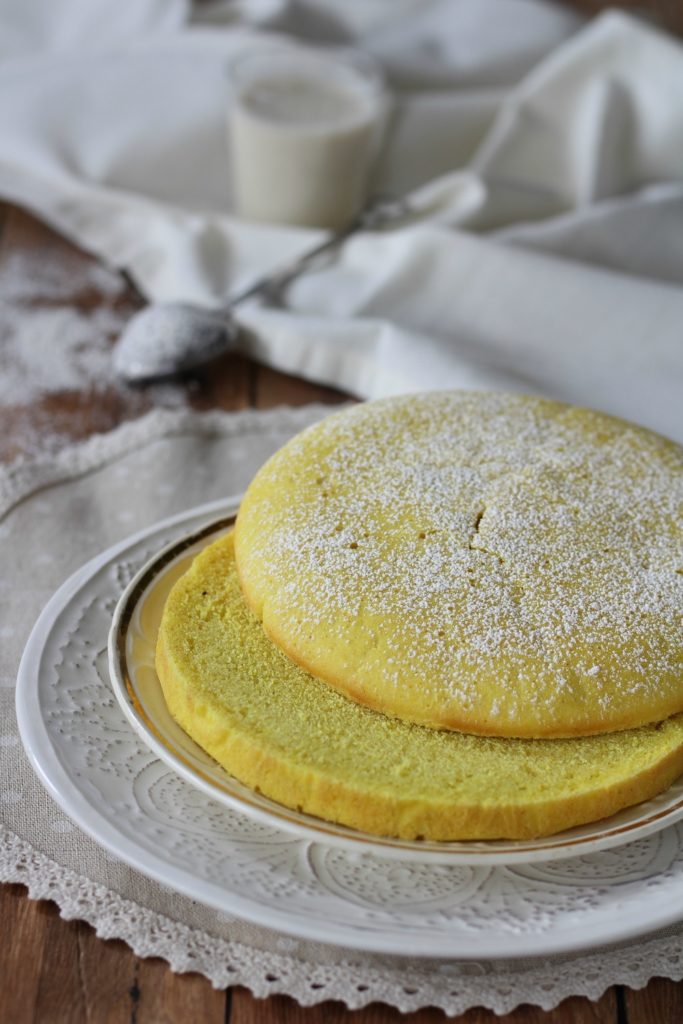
(166, 339)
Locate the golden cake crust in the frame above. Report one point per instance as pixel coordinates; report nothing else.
(490, 563)
(302, 743)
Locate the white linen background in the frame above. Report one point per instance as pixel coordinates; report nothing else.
(549, 150)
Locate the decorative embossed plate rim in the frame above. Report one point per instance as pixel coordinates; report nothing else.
(139, 694)
(66, 713)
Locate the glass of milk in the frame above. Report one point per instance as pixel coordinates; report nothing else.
(305, 127)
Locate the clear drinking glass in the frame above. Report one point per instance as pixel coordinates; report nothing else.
(305, 127)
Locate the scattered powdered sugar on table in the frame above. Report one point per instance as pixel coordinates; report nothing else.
(26, 276)
(45, 351)
(59, 315)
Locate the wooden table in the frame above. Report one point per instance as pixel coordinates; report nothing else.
(55, 971)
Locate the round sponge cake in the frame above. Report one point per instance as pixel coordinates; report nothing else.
(490, 563)
(300, 742)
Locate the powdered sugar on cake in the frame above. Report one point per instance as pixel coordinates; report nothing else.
(515, 559)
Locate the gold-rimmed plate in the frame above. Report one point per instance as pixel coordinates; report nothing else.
(132, 643)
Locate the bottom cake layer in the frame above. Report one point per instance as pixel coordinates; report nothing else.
(295, 739)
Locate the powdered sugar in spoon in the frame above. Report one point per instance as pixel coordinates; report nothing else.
(169, 338)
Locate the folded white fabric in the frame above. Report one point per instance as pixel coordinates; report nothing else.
(549, 155)
(35, 26)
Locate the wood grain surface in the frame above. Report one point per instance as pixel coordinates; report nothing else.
(54, 971)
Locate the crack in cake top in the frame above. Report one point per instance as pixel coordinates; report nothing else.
(490, 563)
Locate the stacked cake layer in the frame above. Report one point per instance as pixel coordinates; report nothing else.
(452, 615)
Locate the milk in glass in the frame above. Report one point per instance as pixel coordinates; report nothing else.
(304, 129)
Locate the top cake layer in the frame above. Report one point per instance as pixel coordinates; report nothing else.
(489, 563)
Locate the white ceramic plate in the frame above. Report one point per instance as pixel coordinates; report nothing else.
(297, 876)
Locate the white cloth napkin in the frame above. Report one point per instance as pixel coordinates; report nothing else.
(550, 155)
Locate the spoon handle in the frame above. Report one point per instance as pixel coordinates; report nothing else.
(381, 213)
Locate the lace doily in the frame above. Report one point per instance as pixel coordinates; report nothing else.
(72, 507)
